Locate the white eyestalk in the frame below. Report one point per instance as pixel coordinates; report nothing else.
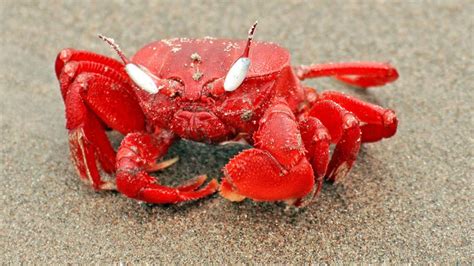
(236, 74)
(239, 70)
(136, 73)
(141, 79)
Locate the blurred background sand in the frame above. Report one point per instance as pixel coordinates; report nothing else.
(408, 199)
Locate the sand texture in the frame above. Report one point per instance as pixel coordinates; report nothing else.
(408, 198)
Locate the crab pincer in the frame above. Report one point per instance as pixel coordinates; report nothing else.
(277, 169)
(137, 157)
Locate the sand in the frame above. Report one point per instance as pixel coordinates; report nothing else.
(408, 199)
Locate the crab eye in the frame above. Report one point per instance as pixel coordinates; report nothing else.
(236, 74)
(240, 68)
(141, 78)
(138, 74)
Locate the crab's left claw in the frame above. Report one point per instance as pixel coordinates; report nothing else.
(277, 169)
(137, 156)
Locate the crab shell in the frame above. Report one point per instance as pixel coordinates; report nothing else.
(190, 75)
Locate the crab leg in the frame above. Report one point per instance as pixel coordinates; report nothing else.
(89, 97)
(70, 63)
(69, 55)
(377, 122)
(277, 168)
(87, 142)
(96, 95)
(137, 155)
(344, 130)
(316, 140)
(360, 74)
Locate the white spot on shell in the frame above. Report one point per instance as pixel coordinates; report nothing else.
(236, 74)
(197, 75)
(230, 46)
(141, 78)
(168, 42)
(196, 57)
(175, 49)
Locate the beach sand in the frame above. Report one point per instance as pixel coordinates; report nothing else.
(408, 198)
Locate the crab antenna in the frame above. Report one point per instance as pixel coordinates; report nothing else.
(249, 39)
(114, 46)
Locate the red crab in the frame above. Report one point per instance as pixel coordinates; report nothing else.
(214, 90)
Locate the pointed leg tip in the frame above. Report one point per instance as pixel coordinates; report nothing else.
(293, 202)
(338, 174)
(226, 191)
(162, 165)
(108, 186)
(193, 183)
(208, 190)
(200, 179)
(213, 185)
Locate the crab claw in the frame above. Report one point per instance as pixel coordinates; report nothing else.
(277, 169)
(258, 175)
(137, 156)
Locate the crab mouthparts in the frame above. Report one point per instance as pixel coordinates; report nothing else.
(199, 126)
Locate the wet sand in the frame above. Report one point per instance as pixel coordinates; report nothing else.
(408, 198)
